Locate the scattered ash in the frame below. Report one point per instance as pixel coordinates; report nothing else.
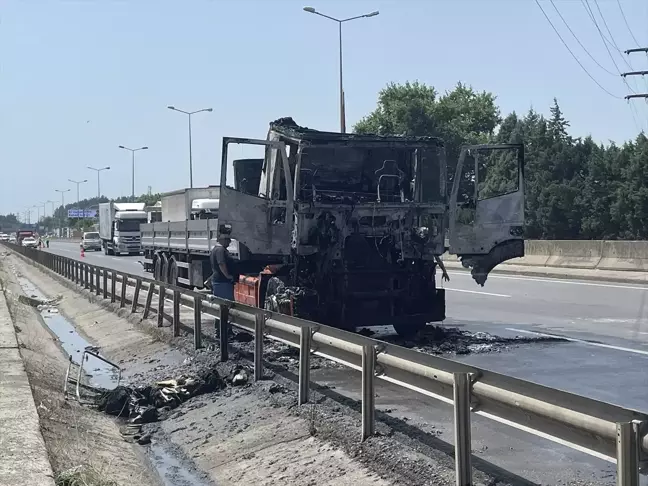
(451, 340)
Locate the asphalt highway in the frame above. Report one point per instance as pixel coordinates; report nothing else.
(605, 358)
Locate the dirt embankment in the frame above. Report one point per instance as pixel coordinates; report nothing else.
(244, 434)
(83, 445)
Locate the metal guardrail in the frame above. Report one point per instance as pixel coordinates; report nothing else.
(598, 428)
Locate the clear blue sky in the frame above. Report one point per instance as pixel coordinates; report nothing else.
(79, 78)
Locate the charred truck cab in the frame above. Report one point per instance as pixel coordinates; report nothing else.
(344, 229)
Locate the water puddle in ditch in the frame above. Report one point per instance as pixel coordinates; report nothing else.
(173, 471)
(171, 468)
(98, 373)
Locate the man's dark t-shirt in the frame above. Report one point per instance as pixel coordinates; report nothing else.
(220, 255)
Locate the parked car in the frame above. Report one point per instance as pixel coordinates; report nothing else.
(12, 239)
(30, 242)
(4, 237)
(91, 241)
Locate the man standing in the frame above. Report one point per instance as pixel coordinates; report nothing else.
(222, 275)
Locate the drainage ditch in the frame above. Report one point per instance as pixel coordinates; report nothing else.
(171, 467)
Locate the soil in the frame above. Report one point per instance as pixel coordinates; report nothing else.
(77, 438)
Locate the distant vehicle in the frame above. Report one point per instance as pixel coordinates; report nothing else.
(91, 241)
(4, 237)
(29, 242)
(119, 227)
(12, 238)
(21, 234)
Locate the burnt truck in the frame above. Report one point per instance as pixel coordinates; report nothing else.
(348, 229)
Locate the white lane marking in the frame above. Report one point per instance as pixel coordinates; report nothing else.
(574, 340)
(557, 280)
(476, 292)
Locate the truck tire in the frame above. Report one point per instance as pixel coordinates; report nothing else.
(157, 268)
(165, 269)
(172, 274)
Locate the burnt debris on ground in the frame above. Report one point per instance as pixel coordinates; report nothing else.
(451, 340)
(150, 403)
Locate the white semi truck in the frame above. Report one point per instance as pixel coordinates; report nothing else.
(119, 227)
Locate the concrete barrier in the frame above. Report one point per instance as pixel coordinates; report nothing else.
(574, 253)
(630, 256)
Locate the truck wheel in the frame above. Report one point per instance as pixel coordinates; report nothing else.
(172, 275)
(409, 330)
(157, 268)
(165, 269)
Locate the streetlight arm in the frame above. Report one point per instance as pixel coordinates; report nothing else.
(372, 14)
(177, 109)
(327, 16)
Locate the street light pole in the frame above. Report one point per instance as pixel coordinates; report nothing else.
(62, 191)
(132, 151)
(98, 171)
(189, 113)
(78, 183)
(340, 22)
(37, 208)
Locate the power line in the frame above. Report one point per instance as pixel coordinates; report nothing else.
(626, 22)
(610, 32)
(586, 4)
(571, 52)
(578, 40)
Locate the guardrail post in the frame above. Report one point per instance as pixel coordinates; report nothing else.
(627, 451)
(77, 273)
(138, 286)
(368, 391)
(223, 331)
(176, 313)
(68, 269)
(149, 299)
(305, 338)
(197, 322)
(122, 297)
(105, 284)
(463, 442)
(113, 287)
(91, 278)
(259, 322)
(161, 299)
(86, 276)
(97, 281)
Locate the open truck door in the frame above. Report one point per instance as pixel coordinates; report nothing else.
(487, 207)
(261, 223)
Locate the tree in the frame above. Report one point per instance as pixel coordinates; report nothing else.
(574, 188)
